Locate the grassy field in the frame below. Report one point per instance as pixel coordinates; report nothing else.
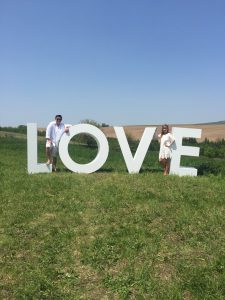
(109, 235)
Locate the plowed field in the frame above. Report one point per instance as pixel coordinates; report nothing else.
(212, 132)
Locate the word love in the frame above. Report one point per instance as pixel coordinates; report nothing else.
(133, 163)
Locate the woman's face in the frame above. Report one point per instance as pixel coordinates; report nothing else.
(165, 129)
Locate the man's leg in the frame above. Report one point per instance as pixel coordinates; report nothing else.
(49, 155)
(54, 157)
(54, 161)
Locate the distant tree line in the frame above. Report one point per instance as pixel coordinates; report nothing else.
(19, 129)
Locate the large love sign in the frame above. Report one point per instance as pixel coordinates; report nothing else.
(133, 163)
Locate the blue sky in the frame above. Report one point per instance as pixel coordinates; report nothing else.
(121, 62)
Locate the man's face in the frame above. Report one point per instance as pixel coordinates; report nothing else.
(58, 120)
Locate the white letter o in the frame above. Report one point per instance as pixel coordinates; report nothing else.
(103, 148)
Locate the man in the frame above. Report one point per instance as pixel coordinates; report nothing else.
(54, 131)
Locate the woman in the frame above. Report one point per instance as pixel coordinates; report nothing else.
(165, 153)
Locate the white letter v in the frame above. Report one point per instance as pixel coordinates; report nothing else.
(134, 163)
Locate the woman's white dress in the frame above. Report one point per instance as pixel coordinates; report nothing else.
(166, 141)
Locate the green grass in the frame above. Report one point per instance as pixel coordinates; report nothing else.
(109, 235)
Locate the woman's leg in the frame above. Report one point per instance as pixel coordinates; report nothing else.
(163, 162)
(167, 166)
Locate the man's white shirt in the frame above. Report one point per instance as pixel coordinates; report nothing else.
(54, 132)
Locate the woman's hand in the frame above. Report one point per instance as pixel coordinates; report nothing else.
(168, 144)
